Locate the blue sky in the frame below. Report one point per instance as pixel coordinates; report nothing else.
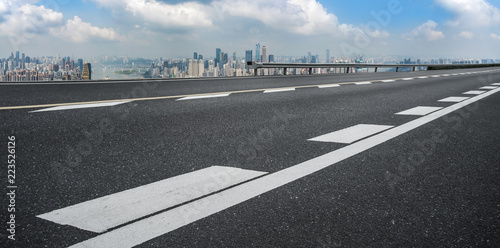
(176, 28)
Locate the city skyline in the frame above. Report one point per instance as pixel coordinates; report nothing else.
(151, 29)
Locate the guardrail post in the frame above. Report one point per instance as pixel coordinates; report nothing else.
(397, 69)
(414, 68)
(255, 72)
(347, 70)
(310, 71)
(376, 69)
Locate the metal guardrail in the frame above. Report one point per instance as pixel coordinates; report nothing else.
(255, 66)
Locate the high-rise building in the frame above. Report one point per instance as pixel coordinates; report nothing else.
(257, 53)
(309, 57)
(264, 54)
(87, 71)
(80, 65)
(271, 58)
(217, 56)
(200, 57)
(234, 56)
(248, 57)
(327, 55)
(195, 56)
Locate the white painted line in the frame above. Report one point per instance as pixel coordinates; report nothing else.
(474, 92)
(424, 77)
(279, 90)
(351, 134)
(328, 86)
(363, 83)
(80, 106)
(388, 81)
(407, 79)
(496, 84)
(488, 88)
(436, 76)
(454, 99)
(168, 221)
(445, 75)
(106, 212)
(456, 74)
(419, 111)
(202, 97)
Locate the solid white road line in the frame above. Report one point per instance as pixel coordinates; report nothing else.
(454, 99)
(351, 134)
(496, 84)
(488, 88)
(328, 86)
(160, 224)
(106, 212)
(279, 90)
(474, 92)
(81, 106)
(363, 83)
(419, 111)
(202, 97)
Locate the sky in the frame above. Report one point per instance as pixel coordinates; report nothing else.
(176, 28)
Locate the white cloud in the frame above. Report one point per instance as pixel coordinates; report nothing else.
(472, 12)
(495, 36)
(187, 14)
(306, 17)
(426, 31)
(298, 16)
(79, 31)
(23, 23)
(466, 34)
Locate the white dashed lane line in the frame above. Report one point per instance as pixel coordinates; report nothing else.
(421, 110)
(202, 97)
(110, 211)
(279, 90)
(363, 83)
(474, 92)
(454, 99)
(351, 134)
(488, 88)
(328, 86)
(80, 106)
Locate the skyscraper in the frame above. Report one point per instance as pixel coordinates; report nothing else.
(327, 55)
(248, 57)
(257, 52)
(80, 65)
(195, 56)
(264, 54)
(217, 56)
(87, 71)
(271, 58)
(234, 56)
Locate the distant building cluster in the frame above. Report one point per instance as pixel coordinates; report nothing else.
(22, 68)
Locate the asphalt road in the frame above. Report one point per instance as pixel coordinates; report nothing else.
(435, 184)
